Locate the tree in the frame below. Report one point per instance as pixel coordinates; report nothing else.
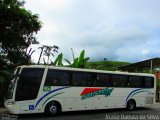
(4, 80)
(58, 60)
(18, 27)
(78, 62)
(42, 48)
(50, 50)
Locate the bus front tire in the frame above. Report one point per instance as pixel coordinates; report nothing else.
(52, 108)
(131, 104)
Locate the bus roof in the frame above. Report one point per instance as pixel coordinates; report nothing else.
(86, 70)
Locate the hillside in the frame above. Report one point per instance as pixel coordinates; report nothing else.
(105, 65)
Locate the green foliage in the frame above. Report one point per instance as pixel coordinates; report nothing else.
(58, 60)
(78, 62)
(105, 65)
(68, 62)
(4, 75)
(50, 50)
(75, 63)
(47, 51)
(158, 83)
(17, 29)
(82, 60)
(4, 80)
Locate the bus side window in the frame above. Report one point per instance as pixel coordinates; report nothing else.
(136, 81)
(57, 78)
(119, 80)
(81, 79)
(94, 80)
(102, 80)
(148, 82)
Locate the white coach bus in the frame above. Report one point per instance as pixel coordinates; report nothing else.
(49, 89)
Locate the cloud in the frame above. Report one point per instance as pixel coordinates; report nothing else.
(114, 29)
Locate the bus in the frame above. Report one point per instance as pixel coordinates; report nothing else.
(51, 90)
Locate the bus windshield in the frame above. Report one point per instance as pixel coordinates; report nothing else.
(11, 87)
(28, 84)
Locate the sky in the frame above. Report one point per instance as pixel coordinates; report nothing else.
(118, 30)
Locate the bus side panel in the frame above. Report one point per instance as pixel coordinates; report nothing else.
(101, 102)
(85, 104)
(70, 104)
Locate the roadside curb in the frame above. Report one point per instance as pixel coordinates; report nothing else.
(157, 104)
(3, 110)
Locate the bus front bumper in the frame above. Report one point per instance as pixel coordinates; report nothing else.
(11, 107)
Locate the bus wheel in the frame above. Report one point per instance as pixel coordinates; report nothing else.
(53, 108)
(131, 104)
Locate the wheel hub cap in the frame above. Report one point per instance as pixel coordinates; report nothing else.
(53, 109)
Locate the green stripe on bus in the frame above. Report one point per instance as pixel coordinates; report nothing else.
(139, 92)
(51, 97)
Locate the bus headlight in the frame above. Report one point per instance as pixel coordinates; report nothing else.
(10, 102)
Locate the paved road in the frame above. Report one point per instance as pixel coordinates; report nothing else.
(147, 113)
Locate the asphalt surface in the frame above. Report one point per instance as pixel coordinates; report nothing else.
(145, 113)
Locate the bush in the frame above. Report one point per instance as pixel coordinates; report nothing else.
(4, 82)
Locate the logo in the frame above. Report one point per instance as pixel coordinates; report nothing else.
(91, 92)
(31, 107)
(46, 88)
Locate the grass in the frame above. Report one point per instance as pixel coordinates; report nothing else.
(105, 65)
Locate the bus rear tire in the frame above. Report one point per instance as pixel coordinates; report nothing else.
(131, 105)
(52, 108)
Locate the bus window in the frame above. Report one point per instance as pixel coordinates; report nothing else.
(57, 78)
(102, 80)
(148, 82)
(136, 82)
(119, 80)
(81, 79)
